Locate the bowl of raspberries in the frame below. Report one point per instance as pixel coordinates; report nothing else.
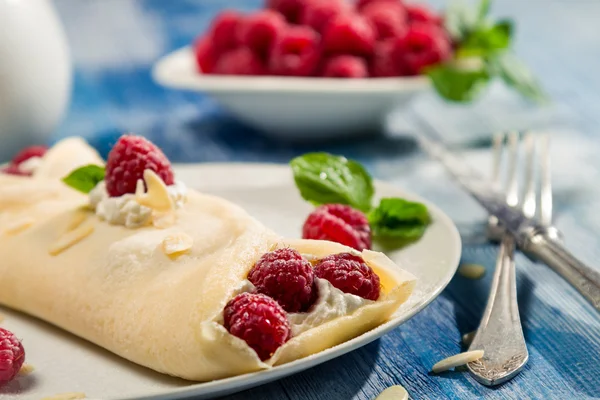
(305, 69)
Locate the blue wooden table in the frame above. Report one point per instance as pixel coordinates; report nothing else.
(115, 42)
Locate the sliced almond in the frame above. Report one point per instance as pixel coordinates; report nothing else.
(66, 396)
(157, 196)
(26, 369)
(467, 338)
(177, 243)
(77, 220)
(457, 360)
(471, 271)
(71, 238)
(19, 225)
(395, 392)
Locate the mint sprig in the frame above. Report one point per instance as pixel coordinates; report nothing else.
(323, 178)
(486, 44)
(85, 178)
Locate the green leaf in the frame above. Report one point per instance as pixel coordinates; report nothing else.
(455, 83)
(517, 75)
(484, 10)
(85, 178)
(459, 20)
(323, 178)
(487, 40)
(400, 220)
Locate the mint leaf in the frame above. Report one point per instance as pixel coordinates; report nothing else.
(486, 40)
(85, 178)
(516, 74)
(456, 83)
(484, 10)
(323, 178)
(398, 219)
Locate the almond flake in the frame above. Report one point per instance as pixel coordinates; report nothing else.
(467, 338)
(67, 396)
(471, 271)
(395, 392)
(177, 243)
(77, 220)
(457, 360)
(71, 238)
(19, 226)
(157, 195)
(26, 369)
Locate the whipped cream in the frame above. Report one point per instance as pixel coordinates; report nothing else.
(331, 303)
(30, 165)
(125, 210)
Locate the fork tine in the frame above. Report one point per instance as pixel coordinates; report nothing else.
(546, 191)
(512, 194)
(529, 199)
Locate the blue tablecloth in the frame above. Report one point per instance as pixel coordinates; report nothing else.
(115, 42)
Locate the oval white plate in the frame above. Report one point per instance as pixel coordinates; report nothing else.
(294, 108)
(64, 363)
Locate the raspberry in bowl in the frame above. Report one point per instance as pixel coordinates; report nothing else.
(308, 69)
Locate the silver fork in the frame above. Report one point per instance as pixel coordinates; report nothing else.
(500, 334)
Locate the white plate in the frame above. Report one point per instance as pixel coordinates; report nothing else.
(64, 363)
(294, 108)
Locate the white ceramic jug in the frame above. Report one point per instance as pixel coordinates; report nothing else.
(35, 73)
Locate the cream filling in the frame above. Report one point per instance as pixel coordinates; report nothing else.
(331, 303)
(126, 210)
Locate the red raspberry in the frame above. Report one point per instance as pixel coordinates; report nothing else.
(206, 54)
(349, 34)
(258, 31)
(29, 152)
(338, 223)
(12, 356)
(295, 52)
(383, 64)
(388, 18)
(422, 46)
(422, 13)
(223, 30)
(290, 9)
(318, 13)
(285, 276)
(350, 274)
(128, 159)
(241, 61)
(345, 67)
(363, 3)
(259, 321)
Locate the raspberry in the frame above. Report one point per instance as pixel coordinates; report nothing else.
(422, 46)
(258, 31)
(345, 67)
(318, 13)
(363, 3)
(259, 321)
(29, 152)
(388, 18)
(128, 159)
(223, 30)
(290, 9)
(338, 223)
(285, 276)
(206, 54)
(349, 34)
(383, 63)
(241, 61)
(12, 356)
(295, 52)
(350, 274)
(422, 13)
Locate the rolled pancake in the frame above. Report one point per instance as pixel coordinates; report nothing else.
(117, 288)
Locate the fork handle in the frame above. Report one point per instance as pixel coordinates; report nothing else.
(583, 278)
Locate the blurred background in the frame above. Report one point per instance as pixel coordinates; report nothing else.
(113, 45)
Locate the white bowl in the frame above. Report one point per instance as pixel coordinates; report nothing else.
(294, 108)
